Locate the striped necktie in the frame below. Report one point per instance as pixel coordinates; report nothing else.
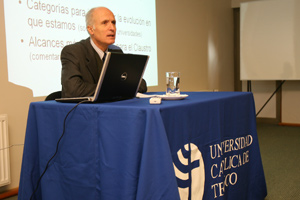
(104, 56)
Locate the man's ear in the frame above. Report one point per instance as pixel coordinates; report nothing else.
(90, 29)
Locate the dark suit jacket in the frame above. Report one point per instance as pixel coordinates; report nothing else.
(81, 67)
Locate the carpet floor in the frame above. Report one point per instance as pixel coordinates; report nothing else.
(280, 148)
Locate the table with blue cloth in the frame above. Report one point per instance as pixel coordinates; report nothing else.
(202, 147)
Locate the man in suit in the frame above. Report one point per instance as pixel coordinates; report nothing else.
(82, 61)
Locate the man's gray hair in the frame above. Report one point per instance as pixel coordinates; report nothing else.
(89, 17)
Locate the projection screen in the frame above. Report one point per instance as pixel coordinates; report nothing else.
(270, 40)
(37, 30)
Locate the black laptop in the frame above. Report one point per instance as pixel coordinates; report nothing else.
(120, 78)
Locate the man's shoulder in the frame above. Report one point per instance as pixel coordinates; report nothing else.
(83, 45)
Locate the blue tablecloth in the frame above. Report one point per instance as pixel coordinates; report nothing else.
(202, 147)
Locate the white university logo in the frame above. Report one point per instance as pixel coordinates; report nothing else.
(196, 177)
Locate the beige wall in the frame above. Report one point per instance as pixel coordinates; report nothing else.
(194, 37)
(291, 102)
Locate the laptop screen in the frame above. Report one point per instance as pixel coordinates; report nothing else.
(121, 76)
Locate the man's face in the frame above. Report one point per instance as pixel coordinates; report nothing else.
(103, 30)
